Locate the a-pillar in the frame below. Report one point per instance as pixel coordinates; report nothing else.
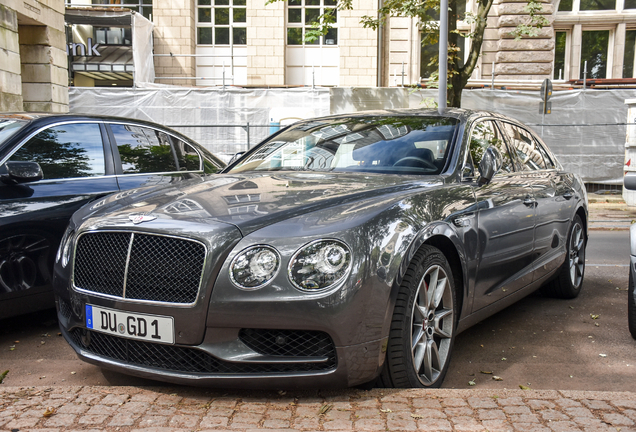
(44, 69)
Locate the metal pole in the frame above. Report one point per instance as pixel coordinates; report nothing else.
(492, 82)
(443, 55)
(248, 135)
(584, 75)
(560, 73)
(223, 74)
(402, 74)
(313, 78)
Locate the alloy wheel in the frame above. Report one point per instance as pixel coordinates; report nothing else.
(577, 255)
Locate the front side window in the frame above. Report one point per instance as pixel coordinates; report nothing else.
(524, 148)
(486, 134)
(187, 157)
(66, 151)
(222, 22)
(302, 16)
(143, 150)
(394, 145)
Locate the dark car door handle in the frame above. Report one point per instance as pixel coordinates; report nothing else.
(463, 220)
(568, 195)
(529, 202)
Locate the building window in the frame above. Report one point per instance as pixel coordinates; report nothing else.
(144, 7)
(630, 52)
(302, 13)
(594, 50)
(559, 54)
(222, 23)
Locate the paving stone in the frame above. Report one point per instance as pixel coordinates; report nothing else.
(497, 426)
(491, 414)
(578, 412)
(429, 413)
(123, 420)
(465, 423)
(482, 403)
(515, 409)
(568, 403)
(213, 422)
(530, 427)
(564, 426)
(434, 425)
(184, 421)
(26, 422)
(616, 419)
(552, 415)
(306, 424)
(427, 403)
(115, 399)
(454, 402)
(511, 401)
(370, 424)
(57, 420)
(153, 421)
(276, 424)
(596, 404)
(401, 424)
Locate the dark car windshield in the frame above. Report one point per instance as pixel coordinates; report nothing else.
(9, 126)
(397, 145)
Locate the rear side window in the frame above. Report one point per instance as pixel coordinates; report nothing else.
(143, 150)
(188, 158)
(66, 151)
(524, 148)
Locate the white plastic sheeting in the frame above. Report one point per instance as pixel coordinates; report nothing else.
(586, 129)
(213, 117)
(142, 52)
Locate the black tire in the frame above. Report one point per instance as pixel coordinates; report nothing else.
(631, 306)
(568, 282)
(432, 321)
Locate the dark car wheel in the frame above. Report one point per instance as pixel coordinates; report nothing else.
(567, 284)
(423, 324)
(25, 262)
(631, 306)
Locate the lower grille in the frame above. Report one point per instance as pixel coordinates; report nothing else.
(65, 309)
(293, 343)
(179, 359)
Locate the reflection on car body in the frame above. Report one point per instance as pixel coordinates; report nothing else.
(340, 251)
(78, 160)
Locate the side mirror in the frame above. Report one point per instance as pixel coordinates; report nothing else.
(489, 165)
(21, 172)
(630, 180)
(235, 157)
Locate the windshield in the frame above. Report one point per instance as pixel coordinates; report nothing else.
(8, 127)
(396, 145)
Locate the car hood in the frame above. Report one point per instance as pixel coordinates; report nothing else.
(253, 201)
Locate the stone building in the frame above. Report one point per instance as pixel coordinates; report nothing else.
(33, 65)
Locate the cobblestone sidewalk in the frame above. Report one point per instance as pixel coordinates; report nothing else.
(123, 409)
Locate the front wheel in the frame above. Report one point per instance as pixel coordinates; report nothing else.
(423, 324)
(567, 284)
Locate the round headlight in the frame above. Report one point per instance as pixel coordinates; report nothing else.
(319, 265)
(254, 267)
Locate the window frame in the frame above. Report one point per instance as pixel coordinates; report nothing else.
(213, 26)
(109, 165)
(304, 26)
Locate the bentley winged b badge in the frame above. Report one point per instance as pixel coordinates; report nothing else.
(139, 218)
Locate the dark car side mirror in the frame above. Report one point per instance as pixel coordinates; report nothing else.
(20, 172)
(489, 165)
(630, 180)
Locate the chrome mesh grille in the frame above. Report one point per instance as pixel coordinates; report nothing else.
(179, 359)
(293, 343)
(161, 269)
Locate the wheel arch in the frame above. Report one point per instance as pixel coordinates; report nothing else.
(447, 247)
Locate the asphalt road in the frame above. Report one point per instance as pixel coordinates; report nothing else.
(539, 342)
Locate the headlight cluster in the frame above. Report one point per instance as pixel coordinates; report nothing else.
(64, 251)
(316, 266)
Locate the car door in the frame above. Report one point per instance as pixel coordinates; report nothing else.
(77, 168)
(505, 221)
(145, 156)
(553, 193)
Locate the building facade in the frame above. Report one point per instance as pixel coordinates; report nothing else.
(33, 63)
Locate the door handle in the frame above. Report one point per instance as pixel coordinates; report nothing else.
(568, 195)
(463, 220)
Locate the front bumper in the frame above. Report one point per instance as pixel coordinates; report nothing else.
(224, 360)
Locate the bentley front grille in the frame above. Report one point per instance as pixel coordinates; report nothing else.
(139, 266)
(180, 359)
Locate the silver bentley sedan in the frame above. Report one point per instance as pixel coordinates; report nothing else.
(341, 251)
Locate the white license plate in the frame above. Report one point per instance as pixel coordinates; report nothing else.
(155, 328)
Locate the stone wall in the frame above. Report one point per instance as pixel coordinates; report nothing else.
(10, 82)
(175, 32)
(265, 43)
(529, 58)
(358, 46)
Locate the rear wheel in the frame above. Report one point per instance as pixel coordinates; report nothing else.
(631, 306)
(567, 284)
(423, 324)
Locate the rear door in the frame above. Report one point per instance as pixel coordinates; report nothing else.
(553, 193)
(77, 169)
(505, 221)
